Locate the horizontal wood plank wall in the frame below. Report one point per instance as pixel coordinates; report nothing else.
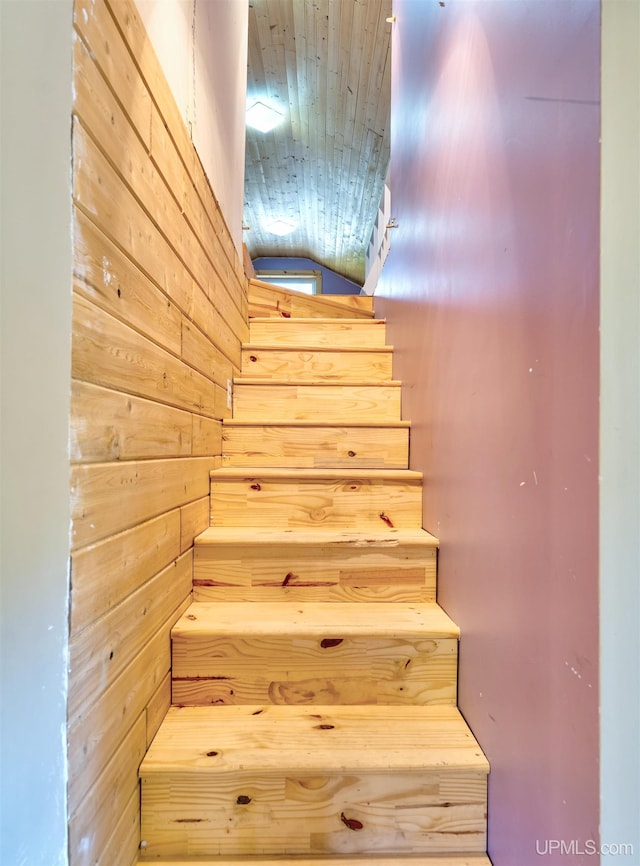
(160, 311)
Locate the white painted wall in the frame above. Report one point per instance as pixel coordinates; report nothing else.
(620, 432)
(36, 255)
(202, 46)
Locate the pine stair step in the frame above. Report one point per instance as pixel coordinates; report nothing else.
(266, 564)
(290, 498)
(304, 401)
(318, 364)
(335, 333)
(262, 780)
(354, 860)
(314, 653)
(299, 444)
(266, 299)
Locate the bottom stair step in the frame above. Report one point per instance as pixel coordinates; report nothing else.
(274, 780)
(424, 860)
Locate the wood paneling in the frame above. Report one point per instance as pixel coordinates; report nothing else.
(326, 66)
(109, 497)
(104, 574)
(160, 311)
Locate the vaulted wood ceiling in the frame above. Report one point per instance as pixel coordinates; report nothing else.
(326, 65)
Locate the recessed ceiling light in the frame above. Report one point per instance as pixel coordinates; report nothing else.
(280, 227)
(263, 117)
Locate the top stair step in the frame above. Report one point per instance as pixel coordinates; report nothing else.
(266, 299)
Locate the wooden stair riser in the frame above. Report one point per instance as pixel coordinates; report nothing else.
(353, 503)
(319, 446)
(281, 670)
(317, 365)
(314, 654)
(302, 402)
(271, 780)
(343, 571)
(245, 814)
(319, 333)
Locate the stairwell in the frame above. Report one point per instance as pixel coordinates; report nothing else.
(314, 713)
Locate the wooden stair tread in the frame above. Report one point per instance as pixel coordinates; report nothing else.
(244, 473)
(341, 539)
(347, 619)
(270, 320)
(375, 860)
(320, 383)
(233, 422)
(279, 738)
(304, 347)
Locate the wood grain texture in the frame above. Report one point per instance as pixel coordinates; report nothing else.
(354, 653)
(105, 573)
(329, 65)
(317, 364)
(318, 332)
(160, 304)
(111, 497)
(158, 707)
(95, 819)
(355, 499)
(106, 276)
(310, 402)
(139, 45)
(106, 352)
(282, 777)
(124, 843)
(99, 654)
(100, 730)
(282, 738)
(312, 445)
(194, 518)
(109, 425)
(236, 564)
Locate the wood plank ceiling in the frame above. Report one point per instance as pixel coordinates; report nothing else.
(325, 65)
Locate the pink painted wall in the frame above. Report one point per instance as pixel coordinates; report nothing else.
(491, 293)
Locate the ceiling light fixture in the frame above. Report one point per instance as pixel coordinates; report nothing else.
(263, 117)
(280, 227)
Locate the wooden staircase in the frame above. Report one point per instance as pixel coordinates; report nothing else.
(314, 715)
